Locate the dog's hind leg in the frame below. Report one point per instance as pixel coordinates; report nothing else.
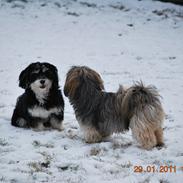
(145, 138)
(159, 137)
(143, 133)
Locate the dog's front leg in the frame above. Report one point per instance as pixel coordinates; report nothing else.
(56, 121)
(91, 135)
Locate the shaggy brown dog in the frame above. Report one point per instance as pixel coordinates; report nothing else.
(100, 113)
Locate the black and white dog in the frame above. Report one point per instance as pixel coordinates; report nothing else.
(41, 106)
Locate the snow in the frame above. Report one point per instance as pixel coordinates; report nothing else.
(125, 41)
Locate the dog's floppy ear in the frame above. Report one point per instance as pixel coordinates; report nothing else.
(99, 81)
(71, 82)
(51, 67)
(70, 86)
(66, 91)
(54, 71)
(23, 78)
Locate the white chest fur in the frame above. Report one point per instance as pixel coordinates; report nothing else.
(41, 112)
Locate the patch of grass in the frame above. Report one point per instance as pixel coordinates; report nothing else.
(163, 181)
(36, 144)
(13, 181)
(2, 179)
(147, 180)
(10, 1)
(117, 145)
(95, 151)
(156, 162)
(13, 162)
(120, 7)
(57, 4)
(126, 165)
(36, 166)
(90, 5)
(73, 14)
(179, 154)
(47, 157)
(3, 142)
(69, 167)
(72, 134)
(41, 166)
(166, 12)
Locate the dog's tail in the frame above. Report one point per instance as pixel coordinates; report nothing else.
(143, 110)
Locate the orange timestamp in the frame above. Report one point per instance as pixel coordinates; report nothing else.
(155, 169)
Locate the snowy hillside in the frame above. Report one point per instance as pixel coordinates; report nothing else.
(125, 41)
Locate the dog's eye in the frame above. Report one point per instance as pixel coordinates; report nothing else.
(34, 76)
(48, 73)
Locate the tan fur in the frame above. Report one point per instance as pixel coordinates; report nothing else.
(96, 77)
(137, 107)
(71, 83)
(146, 127)
(159, 136)
(72, 79)
(91, 135)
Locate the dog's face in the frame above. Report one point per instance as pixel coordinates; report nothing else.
(78, 76)
(39, 77)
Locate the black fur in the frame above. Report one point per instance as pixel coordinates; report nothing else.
(101, 113)
(29, 100)
(95, 107)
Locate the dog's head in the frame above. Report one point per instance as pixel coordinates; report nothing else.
(79, 76)
(39, 77)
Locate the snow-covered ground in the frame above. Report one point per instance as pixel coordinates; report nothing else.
(125, 41)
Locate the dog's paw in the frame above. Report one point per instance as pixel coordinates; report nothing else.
(92, 137)
(60, 128)
(40, 127)
(159, 146)
(21, 122)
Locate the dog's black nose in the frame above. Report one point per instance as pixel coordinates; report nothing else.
(42, 81)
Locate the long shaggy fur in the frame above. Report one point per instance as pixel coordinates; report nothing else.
(101, 113)
(41, 106)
